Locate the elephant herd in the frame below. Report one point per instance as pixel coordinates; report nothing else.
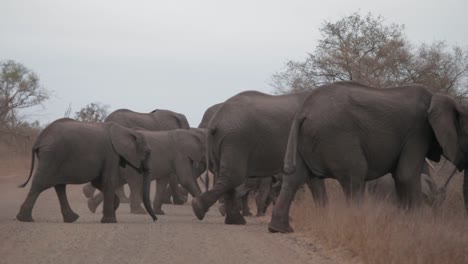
(271, 144)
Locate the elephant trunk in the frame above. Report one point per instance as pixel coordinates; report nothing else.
(146, 194)
(191, 186)
(465, 189)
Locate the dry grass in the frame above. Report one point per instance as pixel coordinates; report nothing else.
(379, 232)
(14, 160)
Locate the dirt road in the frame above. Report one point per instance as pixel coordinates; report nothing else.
(177, 237)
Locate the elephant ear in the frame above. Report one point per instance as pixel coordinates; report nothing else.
(191, 143)
(125, 143)
(443, 118)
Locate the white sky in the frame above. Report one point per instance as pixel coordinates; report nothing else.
(185, 55)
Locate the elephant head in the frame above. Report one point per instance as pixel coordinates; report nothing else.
(191, 145)
(449, 121)
(133, 150)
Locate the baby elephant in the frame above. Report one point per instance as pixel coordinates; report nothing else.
(174, 152)
(72, 152)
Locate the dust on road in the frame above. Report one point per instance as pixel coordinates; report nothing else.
(177, 237)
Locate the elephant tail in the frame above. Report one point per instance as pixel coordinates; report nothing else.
(291, 149)
(33, 154)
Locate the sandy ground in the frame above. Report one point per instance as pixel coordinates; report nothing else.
(177, 237)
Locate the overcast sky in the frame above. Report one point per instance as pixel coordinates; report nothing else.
(185, 55)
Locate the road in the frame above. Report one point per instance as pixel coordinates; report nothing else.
(177, 237)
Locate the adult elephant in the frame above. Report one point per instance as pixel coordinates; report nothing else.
(157, 120)
(355, 133)
(72, 152)
(262, 187)
(247, 136)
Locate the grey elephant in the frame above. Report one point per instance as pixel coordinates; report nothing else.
(177, 150)
(72, 152)
(157, 120)
(355, 133)
(247, 136)
(261, 187)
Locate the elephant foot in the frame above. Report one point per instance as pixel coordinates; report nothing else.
(279, 227)
(137, 210)
(222, 209)
(92, 206)
(159, 212)
(198, 208)
(70, 217)
(88, 190)
(234, 219)
(247, 213)
(108, 219)
(24, 217)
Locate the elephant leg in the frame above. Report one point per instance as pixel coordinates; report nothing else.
(407, 179)
(95, 201)
(280, 216)
(120, 192)
(68, 215)
(351, 175)
(25, 213)
(245, 205)
(233, 214)
(353, 188)
(318, 190)
(177, 197)
(226, 179)
(159, 197)
(88, 190)
(167, 195)
(135, 182)
(108, 211)
(263, 193)
(109, 186)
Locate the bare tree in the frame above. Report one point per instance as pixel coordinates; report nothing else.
(441, 69)
(19, 89)
(93, 112)
(365, 49)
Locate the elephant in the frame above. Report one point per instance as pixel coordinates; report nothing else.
(177, 150)
(355, 133)
(208, 115)
(262, 187)
(157, 120)
(73, 152)
(247, 137)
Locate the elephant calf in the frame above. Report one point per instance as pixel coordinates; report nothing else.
(72, 152)
(175, 151)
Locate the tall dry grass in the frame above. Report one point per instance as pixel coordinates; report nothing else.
(15, 152)
(376, 231)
